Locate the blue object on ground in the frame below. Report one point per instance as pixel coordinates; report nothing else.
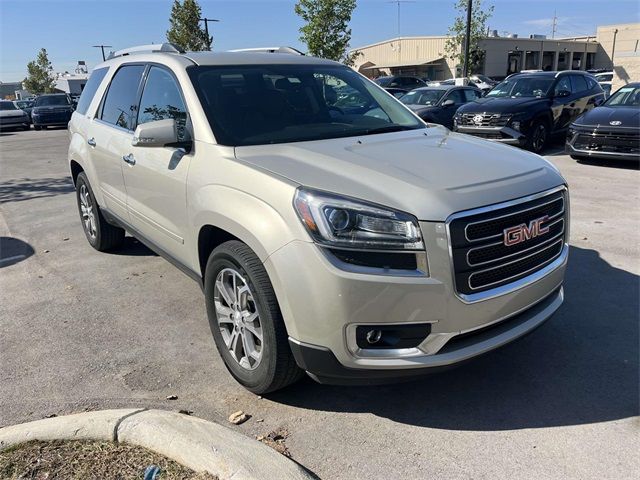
(151, 472)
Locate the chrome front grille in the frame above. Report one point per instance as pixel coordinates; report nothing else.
(498, 245)
(484, 120)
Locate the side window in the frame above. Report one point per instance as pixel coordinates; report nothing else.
(119, 107)
(161, 100)
(563, 84)
(457, 97)
(579, 84)
(471, 95)
(90, 89)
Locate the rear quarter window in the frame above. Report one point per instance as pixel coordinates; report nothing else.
(90, 89)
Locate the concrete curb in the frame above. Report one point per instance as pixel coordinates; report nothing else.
(193, 442)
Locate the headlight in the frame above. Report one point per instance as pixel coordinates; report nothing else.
(337, 221)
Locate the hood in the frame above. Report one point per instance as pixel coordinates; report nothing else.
(429, 173)
(603, 116)
(11, 113)
(502, 105)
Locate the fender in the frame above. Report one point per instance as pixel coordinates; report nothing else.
(245, 216)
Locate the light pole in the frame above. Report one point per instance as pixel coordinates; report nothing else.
(206, 28)
(102, 47)
(467, 43)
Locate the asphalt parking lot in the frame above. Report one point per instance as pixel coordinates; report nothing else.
(81, 330)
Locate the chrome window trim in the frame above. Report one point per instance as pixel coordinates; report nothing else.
(523, 282)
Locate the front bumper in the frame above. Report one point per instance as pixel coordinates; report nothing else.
(16, 122)
(497, 134)
(51, 119)
(607, 149)
(322, 304)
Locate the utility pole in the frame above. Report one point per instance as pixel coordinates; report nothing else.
(398, 2)
(206, 28)
(102, 47)
(467, 42)
(554, 28)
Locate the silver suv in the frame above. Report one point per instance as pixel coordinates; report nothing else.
(331, 230)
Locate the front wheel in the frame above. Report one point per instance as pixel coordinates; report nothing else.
(245, 320)
(538, 137)
(37, 127)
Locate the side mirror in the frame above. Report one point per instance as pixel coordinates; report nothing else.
(563, 93)
(448, 103)
(155, 134)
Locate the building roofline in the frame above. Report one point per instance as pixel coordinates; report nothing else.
(395, 39)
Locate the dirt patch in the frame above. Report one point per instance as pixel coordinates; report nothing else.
(275, 440)
(86, 460)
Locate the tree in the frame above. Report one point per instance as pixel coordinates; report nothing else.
(454, 46)
(326, 31)
(39, 75)
(185, 31)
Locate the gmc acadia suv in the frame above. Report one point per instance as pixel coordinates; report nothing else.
(526, 109)
(351, 242)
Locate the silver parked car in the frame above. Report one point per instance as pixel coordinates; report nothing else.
(12, 117)
(344, 239)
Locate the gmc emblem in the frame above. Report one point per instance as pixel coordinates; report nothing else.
(522, 232)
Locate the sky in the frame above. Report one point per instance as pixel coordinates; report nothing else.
(69, 28)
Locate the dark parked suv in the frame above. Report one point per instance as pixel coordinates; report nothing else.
(51, 110)
(526, 109)
(400, 81)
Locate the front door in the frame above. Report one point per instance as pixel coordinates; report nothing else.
(156, 177)
(109, 136)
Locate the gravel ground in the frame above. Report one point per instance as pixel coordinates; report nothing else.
(83, 330)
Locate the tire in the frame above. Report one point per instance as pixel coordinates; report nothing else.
(37, 127)
(27, 127)
(538, 137)
(100, 234)
(577, 157)
(270, 365)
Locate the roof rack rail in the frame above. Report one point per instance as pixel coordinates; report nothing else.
(156, 47)
(289, 50)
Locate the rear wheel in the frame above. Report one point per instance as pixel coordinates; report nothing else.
(101, 235)
(538, 136)
(245, 320)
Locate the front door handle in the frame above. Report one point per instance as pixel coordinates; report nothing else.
(92, 142)
(129, 159)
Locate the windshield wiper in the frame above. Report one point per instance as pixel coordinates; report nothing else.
(389, 129)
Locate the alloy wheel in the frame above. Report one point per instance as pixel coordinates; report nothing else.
(88, 215)
(539, 138)
(238, 318)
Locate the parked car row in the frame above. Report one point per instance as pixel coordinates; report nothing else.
(45, 111)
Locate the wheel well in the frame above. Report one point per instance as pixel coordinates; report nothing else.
(208, 239)
(75, 170)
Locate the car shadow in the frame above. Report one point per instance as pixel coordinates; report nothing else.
(580, 367)
(13, 250)
(19, 189)
(622, 164)
(132, 247)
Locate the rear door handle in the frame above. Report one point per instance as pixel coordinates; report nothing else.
(92, 142)
(129, 159)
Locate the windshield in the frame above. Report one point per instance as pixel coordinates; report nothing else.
(51, 100)
(422, 97)
(262, 104)
(625, 97)
(383, 81)
(522, 87)
(7, 106)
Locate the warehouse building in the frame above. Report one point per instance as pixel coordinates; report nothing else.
(425, 56)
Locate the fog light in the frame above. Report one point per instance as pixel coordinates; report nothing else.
(515, 125)
(374, 336)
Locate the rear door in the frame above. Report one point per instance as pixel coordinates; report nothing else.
(563, 107)
(109, 136)
(582, 98)
(155, 177)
